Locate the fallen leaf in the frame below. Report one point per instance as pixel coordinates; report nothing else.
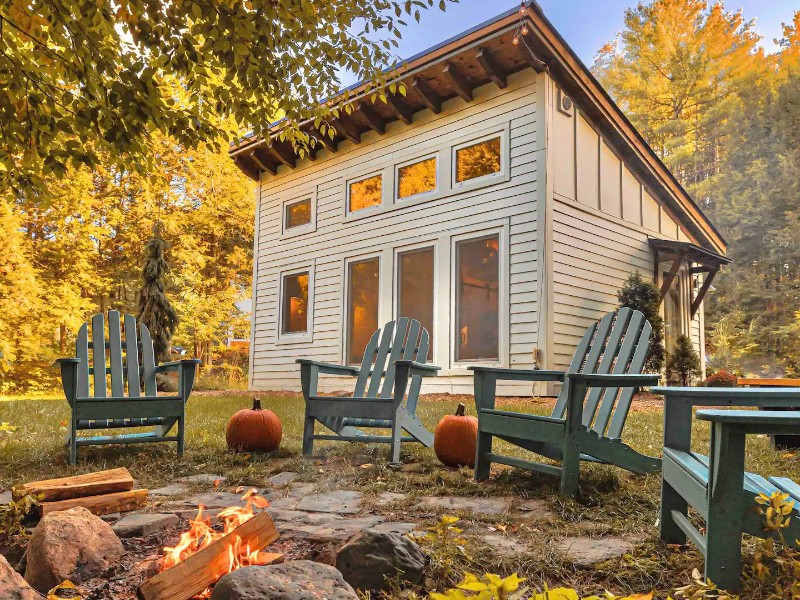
(217, 483)
(64, 590)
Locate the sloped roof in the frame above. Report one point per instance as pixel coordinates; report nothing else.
(481, 55)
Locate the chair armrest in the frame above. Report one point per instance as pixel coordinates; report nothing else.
(611, 380)
(177, 365)
(328, 368)
(69, 377)
(67, 361)
(751, 421)
(504, 374)
(417, 368)
(709, 396)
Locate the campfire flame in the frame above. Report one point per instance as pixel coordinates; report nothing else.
(201, 534)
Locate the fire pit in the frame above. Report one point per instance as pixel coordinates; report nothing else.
(203, 554)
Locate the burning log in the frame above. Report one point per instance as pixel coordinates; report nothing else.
(90, 484)
(99, 505)
(194, 574)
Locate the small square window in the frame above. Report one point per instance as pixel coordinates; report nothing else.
(298, 213)
(478, 160)
(416, 178)
(294, 317)
(365, 193)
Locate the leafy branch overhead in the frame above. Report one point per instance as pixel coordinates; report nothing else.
(80, 78)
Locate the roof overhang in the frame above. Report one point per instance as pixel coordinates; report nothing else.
(482, 55)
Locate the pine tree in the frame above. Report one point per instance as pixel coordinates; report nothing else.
(683, 363)
(640, 294)
(155, 310)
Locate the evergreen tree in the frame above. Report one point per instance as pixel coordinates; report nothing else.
(155, 310)
(683, 363)
(640, 294)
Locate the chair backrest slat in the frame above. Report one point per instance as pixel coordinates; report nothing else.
(610, 352)
(636, 366)
(99, 355)
(366, 364)
(421, 356)
(617, 344)
(82, 352)
(384, 346)
(399, 342)
(132, 357)
(586, 356)
(148, 361)
(115, 354)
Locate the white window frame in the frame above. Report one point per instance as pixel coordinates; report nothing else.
(432, 243)
(502, 296)
(372, 209)
(421, 196)
(502, 175)
(311, 226)
(346, 295)
(308, 334)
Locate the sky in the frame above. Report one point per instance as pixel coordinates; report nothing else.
(586, 25)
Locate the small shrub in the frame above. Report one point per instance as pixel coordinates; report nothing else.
(721, 379)
(643, 295)
(683, 363)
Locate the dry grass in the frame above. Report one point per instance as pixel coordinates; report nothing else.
(613, 502)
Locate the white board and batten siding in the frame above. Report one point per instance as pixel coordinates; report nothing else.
(507, 206)
(602, 218)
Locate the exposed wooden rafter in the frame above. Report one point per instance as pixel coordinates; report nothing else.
(373, 119)
(491, 68)
(264, 161)
(284, 156)
(401, 109)
(246, 167)
(460, 85)
(346, 130)
(430, 98)
(327, 143)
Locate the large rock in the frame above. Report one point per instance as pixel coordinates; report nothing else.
(370, 559)
(295, 580)
(12, 585)
(71, 544)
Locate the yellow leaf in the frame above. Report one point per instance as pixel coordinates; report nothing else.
(66, 585)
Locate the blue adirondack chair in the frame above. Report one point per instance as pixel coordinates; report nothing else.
(590, 413)
(92, 406)
(716, 485)
(394, 362)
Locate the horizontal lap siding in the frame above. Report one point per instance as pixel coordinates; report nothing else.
(511, 203)
(592, 258)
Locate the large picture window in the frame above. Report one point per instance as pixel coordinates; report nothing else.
(294, 317)
(363, 287)
(477, 298)
(478, 160)
(365, 193)
(415, 283)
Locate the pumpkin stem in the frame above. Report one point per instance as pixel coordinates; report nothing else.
(460, 410)
(256, 404)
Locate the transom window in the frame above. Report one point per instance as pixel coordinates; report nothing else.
(416, 178)
(477, 298)
(298, 213)
(365, 193)
(294, 317)
(363, 287)
(478, 160)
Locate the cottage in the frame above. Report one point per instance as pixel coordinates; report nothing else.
(502, 202)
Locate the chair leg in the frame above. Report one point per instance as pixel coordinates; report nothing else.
(397, 434)
(482, 451)
(308, 435)
(181, 435)
(73, 442)
(671, 500)
(570, 469)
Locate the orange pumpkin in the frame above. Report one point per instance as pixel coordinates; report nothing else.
(254, 429)
(455, 438)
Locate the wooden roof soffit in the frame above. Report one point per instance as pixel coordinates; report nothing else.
(490, 67)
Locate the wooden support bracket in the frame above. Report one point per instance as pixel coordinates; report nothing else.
(673, 271)
(701, 293)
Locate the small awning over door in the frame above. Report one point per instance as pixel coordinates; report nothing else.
(699, 260)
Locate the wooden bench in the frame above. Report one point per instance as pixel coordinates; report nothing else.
(717, 485)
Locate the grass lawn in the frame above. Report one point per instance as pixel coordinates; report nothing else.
(613, 501)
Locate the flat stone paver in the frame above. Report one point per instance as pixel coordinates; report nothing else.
(203, 478)
(396, 527)
(282, 479)
(505, 544)
(340, 502)
(284, 502)
(5, 497)
(299, 490)
(215, 500)
(533, 508)
(388, 498)
(586, 551)
(143, 524)
(174, 489)
(483, 506)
